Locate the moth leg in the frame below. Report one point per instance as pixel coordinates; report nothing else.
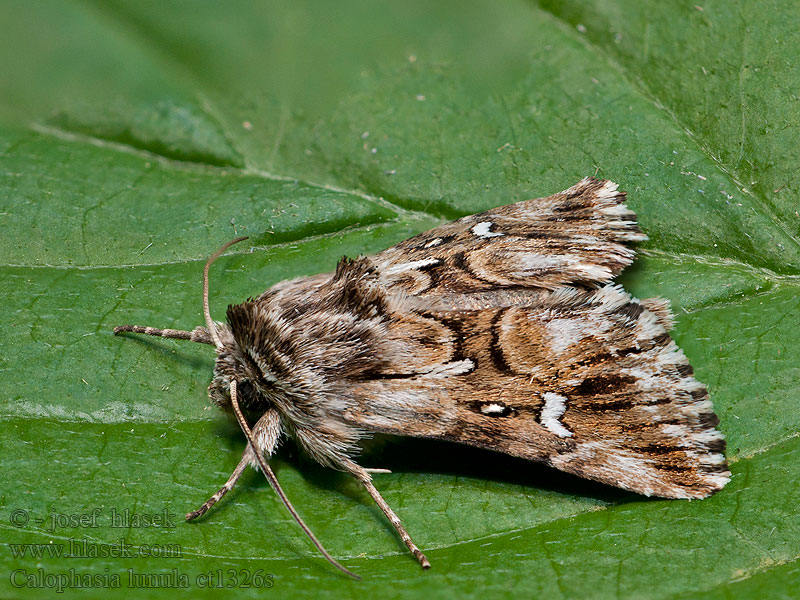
(266, 433)
(237, 472)
(364, 477)
(368, 470)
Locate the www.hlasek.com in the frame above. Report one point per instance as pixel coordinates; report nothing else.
(85, 548)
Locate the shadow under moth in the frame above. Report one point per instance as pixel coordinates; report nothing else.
(501, 330)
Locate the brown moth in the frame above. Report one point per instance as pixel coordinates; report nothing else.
(501, 330)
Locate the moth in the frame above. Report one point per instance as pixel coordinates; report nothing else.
(501, 330)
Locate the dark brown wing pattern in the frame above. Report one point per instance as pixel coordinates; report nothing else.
(588, 382)
(505, 337)
(573, 237)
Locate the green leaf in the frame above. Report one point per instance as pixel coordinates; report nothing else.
(135, 138)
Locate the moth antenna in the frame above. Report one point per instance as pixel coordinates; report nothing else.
(198, 334)
(268, 473)
(212, 328)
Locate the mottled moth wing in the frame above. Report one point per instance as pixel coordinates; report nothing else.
(505, 333)
(576, 237)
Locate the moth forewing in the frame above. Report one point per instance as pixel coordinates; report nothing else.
(501, 330)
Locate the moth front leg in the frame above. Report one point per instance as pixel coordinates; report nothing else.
(266, 433)
(365, 478)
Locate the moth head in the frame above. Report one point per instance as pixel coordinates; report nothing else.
(230, 365)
